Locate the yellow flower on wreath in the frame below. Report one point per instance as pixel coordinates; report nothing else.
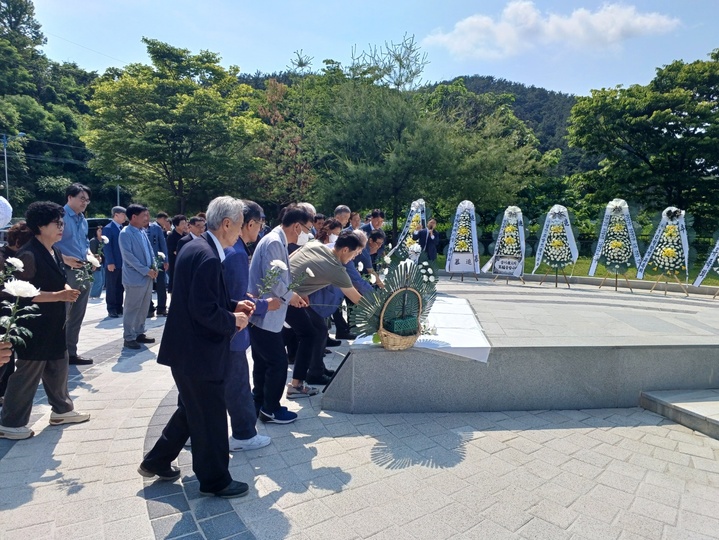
(669, 253)
(409, 242)
(510, 240)
(618, 228)
(463, 231)
(462, 246)
(616, 244)
(556, 243)
(671, 231)
(510, 229)
(556, 229)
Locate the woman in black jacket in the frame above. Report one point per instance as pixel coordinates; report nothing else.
(44, 355)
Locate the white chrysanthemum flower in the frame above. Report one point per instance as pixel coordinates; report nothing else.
(93, 260)
(23, 289)
(372, 279)
(425, 263)
(309, 272)
(105, 239)
(431, 278)
(430, 271)
(425, 278)
(360, 266)
(161, 255)
(387, 259)
(278, 264)
(5, 212)
(17, 263)
(415, 248)
(385, 271)
(389, 246)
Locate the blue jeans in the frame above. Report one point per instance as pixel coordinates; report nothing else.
(98, 284)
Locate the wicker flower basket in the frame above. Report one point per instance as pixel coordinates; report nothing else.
(394, 342)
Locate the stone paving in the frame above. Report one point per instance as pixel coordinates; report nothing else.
(605, 474)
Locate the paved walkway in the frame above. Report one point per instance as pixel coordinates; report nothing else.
(614, 473)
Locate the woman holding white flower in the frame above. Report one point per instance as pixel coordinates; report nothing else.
(43, 356)
(17, 236)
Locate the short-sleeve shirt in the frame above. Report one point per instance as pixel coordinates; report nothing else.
(321, 261)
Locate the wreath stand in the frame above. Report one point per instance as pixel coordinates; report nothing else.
(507, 276)
(715, 294)
(556, 278)
(666, 283)
(462, 276)
(616, 280)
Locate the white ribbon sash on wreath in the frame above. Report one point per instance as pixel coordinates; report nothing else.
(558, 215)
(612, 207)
(658, 235)
(460, 262)
(417, 207)
(708, 265)
(509, 214)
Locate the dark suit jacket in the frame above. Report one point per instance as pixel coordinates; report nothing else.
(428, 244)
(112, 249)
(200, 323)
(367, 228)
(47, 273)
(182, 242)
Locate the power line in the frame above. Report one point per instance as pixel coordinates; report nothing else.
(88, 48)
(57, 144)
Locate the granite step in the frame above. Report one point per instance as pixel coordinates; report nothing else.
(695, 409)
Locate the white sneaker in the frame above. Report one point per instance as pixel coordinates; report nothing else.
(70, 417)
(16, 433)
(258, 441)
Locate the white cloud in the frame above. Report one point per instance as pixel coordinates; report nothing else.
(521, 26)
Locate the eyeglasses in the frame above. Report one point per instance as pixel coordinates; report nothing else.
(306, 228)
(60, 223)
(84, 199)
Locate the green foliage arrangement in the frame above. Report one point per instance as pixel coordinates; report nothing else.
(406, 275)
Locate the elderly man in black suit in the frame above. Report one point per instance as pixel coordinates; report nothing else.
(196, 345)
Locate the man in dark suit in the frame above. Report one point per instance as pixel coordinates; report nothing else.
(427, 238)
(196, 226)
(196, 345)
(375, 223)
(114, 290)
(179, 222)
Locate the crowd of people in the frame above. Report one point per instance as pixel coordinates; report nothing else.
(234, 284)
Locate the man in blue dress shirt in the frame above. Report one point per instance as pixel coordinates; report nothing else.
(74, 247)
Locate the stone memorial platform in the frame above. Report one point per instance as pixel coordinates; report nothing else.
(549, 348)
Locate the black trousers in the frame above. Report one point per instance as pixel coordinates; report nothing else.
(114, 290)
(342, 327)
(201, 414)
(269, 371)
(311, 332)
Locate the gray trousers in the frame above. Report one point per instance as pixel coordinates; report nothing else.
(134, 312)
(75, 311)
(238, 397)
(22, 386)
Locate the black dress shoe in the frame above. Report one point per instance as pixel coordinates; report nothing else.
(333, 342)
(329, 372)
(80, 361)
(150, 314)
(327, 351)
(131, 344)
(291, 360)
(173, 473)
(234, 489)
(162, 313)
(142, 338)
(345, 336)
(113, 314)
(322, 379)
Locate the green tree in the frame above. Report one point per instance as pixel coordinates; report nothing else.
(660, 141)
(18, 24)
(181, 126)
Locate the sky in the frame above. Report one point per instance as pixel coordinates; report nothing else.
(570, 46)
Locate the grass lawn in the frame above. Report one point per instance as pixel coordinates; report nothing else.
(581, 268)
